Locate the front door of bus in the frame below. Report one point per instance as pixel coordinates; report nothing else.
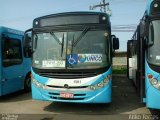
(12, 70)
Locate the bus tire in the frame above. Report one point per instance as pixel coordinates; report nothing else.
(27, 84)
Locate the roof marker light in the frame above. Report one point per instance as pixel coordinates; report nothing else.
(36, 22)
(155, 5)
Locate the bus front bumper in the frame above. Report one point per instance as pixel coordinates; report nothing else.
(153, 98)
(102, 95)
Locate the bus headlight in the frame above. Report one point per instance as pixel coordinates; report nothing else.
(101, 84)
(93, 87)
(154, 81)
(34, 81)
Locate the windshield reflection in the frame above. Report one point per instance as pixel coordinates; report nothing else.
(72, 50)
(154, 37)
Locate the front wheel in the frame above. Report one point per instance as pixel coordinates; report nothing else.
(27, 84)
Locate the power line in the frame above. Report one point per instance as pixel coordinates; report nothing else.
(104, 7)
(124, 28)
(113, 30)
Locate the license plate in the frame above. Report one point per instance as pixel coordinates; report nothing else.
(66, 95)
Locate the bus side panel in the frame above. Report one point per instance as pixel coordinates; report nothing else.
(152, 94)
(26, 66)
(13, 76)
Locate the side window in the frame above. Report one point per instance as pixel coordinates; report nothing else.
(12, 54)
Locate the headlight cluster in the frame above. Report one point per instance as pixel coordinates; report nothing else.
(101, 84)
(34, 81)
(154, 81)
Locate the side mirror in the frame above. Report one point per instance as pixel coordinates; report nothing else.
(151, 33)
(27, 44)
(115, 43)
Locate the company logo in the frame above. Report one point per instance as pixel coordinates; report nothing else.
(81, 58)
(74, 59)
(90, 58)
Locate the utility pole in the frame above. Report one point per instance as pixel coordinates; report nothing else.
(104, 7)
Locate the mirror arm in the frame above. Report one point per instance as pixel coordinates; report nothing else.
(29, 30)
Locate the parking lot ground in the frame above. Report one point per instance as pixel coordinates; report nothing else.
(125, 103)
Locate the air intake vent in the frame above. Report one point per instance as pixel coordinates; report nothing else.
(62, 75)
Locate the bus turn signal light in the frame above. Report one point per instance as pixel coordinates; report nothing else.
(150, 76)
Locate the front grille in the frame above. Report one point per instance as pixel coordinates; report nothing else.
(62, 75)
(71, 87)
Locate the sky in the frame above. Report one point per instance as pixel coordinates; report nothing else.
(19, 14)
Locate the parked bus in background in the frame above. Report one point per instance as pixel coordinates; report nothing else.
(144, 56)
(15, 70)
(72, 57)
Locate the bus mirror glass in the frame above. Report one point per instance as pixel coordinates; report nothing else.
(27, 44)
(151, 36)
(115, 43)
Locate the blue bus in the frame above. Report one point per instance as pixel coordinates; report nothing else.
(144, 57)
(72, 57)
(15, 65)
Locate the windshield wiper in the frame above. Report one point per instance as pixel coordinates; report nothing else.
(74, 42)
(62, 45)
(55, 37)
(72, 45)
(81, 36)
(59, 42)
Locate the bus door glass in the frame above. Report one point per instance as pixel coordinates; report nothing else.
(12, 70)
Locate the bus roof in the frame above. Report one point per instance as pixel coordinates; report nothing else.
(10, 30)
(74, 13)
(58, 18)
(149, 7)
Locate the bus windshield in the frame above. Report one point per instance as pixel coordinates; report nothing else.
(154, 50)
(84, 49)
